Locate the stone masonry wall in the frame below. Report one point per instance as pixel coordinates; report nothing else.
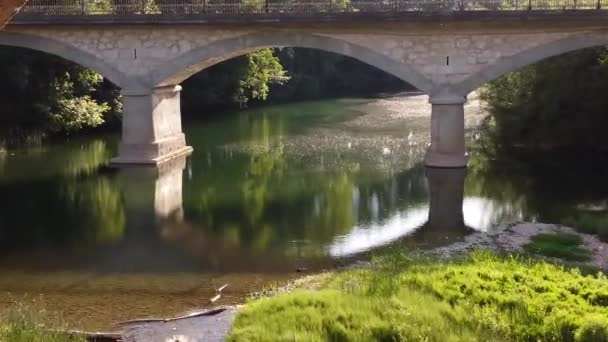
(443, 59)
(448, 59)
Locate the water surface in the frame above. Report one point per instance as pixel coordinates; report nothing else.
(266, 192)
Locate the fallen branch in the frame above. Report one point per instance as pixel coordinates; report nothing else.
(160, 320)
(214, 299)
(219, 294)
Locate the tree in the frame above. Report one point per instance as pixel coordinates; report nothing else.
(560, 102)
(234, 82)
(263, 70)
(71, 106)
(48, 94)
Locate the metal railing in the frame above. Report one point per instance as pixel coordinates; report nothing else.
(41, 9)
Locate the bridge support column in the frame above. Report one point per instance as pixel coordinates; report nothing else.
(447, 147)
(151, 127)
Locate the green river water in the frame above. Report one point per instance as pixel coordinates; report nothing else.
(266, 192)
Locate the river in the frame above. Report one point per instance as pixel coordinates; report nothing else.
(267, 192)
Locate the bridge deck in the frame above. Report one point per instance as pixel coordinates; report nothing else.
(213, 11)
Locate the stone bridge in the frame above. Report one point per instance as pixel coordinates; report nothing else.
(445, 55)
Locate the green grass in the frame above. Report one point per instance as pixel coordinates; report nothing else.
(481, 298)
(26, 324)
(564, 246)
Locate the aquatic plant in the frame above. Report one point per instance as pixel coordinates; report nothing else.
(564, 246)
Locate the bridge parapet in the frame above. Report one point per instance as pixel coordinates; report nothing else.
(179, 11)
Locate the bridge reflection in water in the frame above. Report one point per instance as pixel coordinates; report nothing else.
(167, 259)
(446, 217)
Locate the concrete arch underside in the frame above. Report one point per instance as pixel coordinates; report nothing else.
(196, 60)
(513, 63)
(66, 52)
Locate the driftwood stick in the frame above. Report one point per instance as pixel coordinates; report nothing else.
(214, 299)
(191, 315)
(222, 288)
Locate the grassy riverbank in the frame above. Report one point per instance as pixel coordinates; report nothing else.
(31, 333)
(27, 324)
(482, 297)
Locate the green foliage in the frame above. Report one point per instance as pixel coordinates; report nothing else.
(563, 246)
(235, 81)
(253, 5)
(97, 6)
(44, 93)
(260, 76)
(71, 108)
(559, 102)
(263, 70)
(77, 113)
(481, 298)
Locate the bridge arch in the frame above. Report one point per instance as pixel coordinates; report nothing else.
(177, 70)
(513, 63)
(67, 52)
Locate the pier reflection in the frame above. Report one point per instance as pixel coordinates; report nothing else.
(446, 220)
(437, 219)
(154, 191)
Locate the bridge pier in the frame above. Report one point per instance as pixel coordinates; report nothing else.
(151, 127)
(447, 147)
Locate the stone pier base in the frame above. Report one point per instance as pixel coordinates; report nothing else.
(447, 147)
(152, 128)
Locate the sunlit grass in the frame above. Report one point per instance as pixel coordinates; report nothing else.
(482, 298)
(334, 315)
